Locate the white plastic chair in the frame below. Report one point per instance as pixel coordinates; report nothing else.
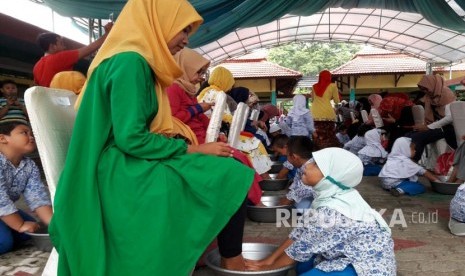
(418, 112)
(239, 117)
(457, 110)
(52, 115)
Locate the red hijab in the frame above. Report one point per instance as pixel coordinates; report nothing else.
(324, 79)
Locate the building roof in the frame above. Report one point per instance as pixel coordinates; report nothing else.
(307, 82)
(379, 61)
(258, 68)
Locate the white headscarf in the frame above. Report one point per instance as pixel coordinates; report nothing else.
(343, 170)
(299, 107)
(399, 164)
(373, 146)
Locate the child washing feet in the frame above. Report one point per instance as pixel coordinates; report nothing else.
(344, 235)
(400, 173)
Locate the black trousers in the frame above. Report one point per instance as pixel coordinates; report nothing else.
(230, 238)
(423, 138)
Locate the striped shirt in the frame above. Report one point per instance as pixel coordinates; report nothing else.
(15, 113)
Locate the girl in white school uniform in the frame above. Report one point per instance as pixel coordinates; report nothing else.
(400, 173)
(343, 235)
(373, 154)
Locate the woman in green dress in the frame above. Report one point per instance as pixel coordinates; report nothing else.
(132, 198)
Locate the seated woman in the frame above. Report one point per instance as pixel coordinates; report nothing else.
(182, 93)
(373, 155)
(343, 235)
(69, 80)
(121, 179)
(437, 115)
(400, 173)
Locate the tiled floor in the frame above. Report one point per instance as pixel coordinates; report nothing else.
(424, 245)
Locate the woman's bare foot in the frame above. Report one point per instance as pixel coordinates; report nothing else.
(235, 263)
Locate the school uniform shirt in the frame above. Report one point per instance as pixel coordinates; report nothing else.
(15, 113)
(298, 190)
(343, 138)
(302, 125)
(399, 165)
(25, 180)
(337, 241)
(373, 152)
(356, 144)
(457, 204)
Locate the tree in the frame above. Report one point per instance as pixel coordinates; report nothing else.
(311, 58)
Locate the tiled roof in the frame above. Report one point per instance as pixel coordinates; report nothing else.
(379, 61)
(307, 82)
(258, 68)
(381, 64)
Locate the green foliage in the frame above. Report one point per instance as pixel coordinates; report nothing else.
(311, 58)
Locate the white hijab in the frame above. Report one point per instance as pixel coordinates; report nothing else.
(373, 146)
(399, 164)
(299, 107)
(343, 171)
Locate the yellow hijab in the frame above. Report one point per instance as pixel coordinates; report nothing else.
(141, 28)
(190, 62)
(221, 79)
(69, 80)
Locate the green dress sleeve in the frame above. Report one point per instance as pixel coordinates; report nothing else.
(133, 105)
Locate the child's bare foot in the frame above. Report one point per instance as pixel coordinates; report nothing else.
(235, 263)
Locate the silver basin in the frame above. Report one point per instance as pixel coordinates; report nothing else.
(41, 239)
(273, 184)
(251, 251)
(446, 188)
(266, 213)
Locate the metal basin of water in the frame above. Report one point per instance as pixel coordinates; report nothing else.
(41, 239)
(251, 251)
(266, 212)
(274, 184)
(446, 188)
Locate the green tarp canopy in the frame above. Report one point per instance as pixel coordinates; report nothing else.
(224, 16)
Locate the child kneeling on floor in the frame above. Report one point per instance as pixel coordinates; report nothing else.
(19, 176)
(400, 173)
(344, 235)
(373, 154)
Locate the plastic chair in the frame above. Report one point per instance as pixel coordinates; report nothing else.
(52, 115)
(457, 110)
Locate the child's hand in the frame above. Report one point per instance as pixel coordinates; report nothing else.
(205, 106)
(29, 226)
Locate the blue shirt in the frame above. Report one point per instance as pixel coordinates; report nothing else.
(25, 180)
(337, 241)
(357, 143)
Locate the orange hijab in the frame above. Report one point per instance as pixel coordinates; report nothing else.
(148, 34)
